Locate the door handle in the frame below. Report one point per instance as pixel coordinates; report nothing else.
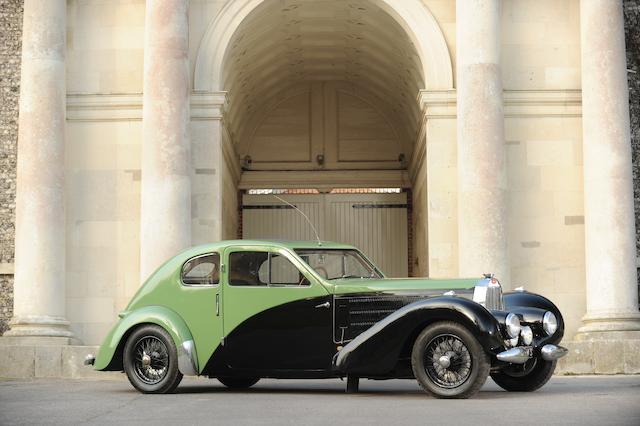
(218, 304)
(324, 305)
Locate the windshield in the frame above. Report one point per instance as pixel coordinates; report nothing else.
(332, 264)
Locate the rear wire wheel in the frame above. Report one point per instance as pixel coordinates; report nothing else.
(448, 361)
(151, 360)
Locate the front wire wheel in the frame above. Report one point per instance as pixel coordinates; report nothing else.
(151, 360)
(448, 361)
(527, 378)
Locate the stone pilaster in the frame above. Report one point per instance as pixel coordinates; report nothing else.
(610, 255)
(166, 167)
(482, 208)
(39, 293)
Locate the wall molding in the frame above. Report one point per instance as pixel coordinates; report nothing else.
(517, 103)
(104, 107)
(325, 179)
(98, 107)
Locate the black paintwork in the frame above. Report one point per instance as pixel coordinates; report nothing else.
(299, 340)
(531, 308)
(278, 342)
(378, 349)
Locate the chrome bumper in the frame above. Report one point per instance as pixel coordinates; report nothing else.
(520, 355)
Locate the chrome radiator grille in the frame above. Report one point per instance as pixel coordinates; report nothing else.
(494, 297)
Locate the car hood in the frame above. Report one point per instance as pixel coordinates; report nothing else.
(405, 286)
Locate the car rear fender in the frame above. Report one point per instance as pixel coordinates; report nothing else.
(377, 350)
(110, 354)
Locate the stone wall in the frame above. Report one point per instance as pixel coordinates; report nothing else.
(10, 46)
(632, 33)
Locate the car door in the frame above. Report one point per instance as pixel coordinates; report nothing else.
(276, 315)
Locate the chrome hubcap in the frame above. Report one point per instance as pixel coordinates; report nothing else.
(146, 360)
(447, 361)
(151, 360)
(444, 361)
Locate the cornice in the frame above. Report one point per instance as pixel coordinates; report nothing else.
(517, 103)
(96, 107)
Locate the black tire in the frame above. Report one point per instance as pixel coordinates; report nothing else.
(515, 379)
(156, 371)
(469, 364)
(238, 382)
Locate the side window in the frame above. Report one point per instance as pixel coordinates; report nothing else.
(283, 272)
(202, 270)
(248, 268)
(262, 269)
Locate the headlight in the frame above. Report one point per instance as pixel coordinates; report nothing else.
(527, 335)
(513, 325)
(549, 323)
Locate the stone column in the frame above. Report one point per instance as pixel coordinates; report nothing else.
(39, 291)
(165, 216)
(482, 210)
(610, 252)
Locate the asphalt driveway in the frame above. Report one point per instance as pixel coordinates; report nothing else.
(589, 400)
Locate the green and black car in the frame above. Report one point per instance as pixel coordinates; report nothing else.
(244, 310)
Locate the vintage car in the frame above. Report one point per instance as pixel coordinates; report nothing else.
(239, 311)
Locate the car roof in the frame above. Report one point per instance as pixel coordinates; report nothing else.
(286, 244)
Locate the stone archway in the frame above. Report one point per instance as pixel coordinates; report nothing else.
(412, 15)
(331, 85)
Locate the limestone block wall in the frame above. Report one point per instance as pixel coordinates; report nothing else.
(546, 216)
(632, 39)
(10, 50)
(541, 44)
(442, 184)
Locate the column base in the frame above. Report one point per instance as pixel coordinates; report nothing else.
(42, 329)
(604, 345)
(610, 327)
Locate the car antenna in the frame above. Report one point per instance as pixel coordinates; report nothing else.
(303, 215)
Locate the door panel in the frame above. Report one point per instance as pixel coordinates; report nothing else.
(276, 327)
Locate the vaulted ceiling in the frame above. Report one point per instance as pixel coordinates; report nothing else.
(285, 42)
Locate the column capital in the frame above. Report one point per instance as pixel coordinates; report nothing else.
(209, 105)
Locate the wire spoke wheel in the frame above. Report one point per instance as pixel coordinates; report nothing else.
(151, 360)
(447, 361)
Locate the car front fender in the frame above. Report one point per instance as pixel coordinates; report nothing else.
(377, 350)
(532, 307)
(110, 354)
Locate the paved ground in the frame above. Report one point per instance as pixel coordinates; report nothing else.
(599, 400)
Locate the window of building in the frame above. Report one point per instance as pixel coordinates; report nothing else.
(202, 270)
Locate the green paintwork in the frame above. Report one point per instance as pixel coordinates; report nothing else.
(158, 315)
(189, 312)
(242, 302)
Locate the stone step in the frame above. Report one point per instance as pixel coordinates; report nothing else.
(64, 361)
